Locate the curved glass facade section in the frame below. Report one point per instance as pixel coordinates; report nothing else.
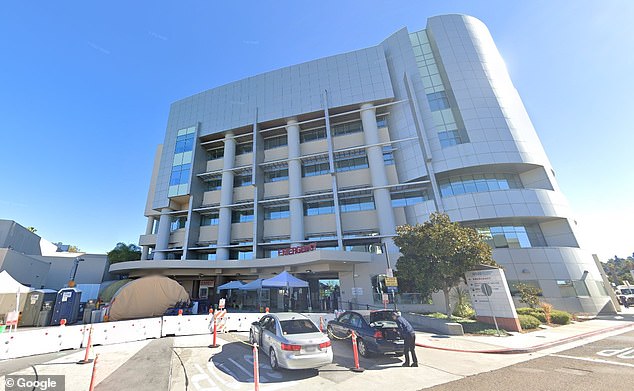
(476, 183)
(513, 236)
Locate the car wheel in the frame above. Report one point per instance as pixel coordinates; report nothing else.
(275, 365)
(362, 348)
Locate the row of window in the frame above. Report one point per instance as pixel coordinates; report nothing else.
(322, 207)
(478, 183)
(305, 136)
(513, 236)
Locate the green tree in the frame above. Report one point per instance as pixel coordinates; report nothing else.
(436, 254)
(618, 269)
(529, 294)
(32, 229)
(124, 252)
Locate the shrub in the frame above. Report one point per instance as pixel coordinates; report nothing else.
(535, 312)
(528, 294)
(464, 311)
(547, 308)
(560, 317)
(528, 322)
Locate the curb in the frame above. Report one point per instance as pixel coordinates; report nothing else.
(531, 349)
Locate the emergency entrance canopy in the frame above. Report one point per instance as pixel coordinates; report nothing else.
(146, 297)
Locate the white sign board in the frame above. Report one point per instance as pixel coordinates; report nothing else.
(221, 304)
(500, 300)
(357, 291)
(386, 298)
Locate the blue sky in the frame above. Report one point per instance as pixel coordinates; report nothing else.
(85, 89)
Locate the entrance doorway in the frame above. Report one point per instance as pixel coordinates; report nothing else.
(329, 294)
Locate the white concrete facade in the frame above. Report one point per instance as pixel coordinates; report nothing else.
(339, 151)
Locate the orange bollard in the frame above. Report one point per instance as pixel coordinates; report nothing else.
(355, 352)
(180, 312)
(266, 310)
(87, 360)
(215, 343)
(256, 369)
(62, 322)
(321, 324)
(94, 372)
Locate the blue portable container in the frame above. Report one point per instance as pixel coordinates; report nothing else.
(66, 306)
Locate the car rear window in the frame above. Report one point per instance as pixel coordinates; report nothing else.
(298, 326)
(381, 315)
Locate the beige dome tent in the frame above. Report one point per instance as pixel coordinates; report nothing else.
(146, 297)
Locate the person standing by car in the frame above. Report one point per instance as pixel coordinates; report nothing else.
(409, 337)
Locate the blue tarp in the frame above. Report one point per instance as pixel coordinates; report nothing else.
(284, 280)
(230, 285)
(253, 285)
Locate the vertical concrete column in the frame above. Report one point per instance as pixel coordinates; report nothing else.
(296, 205)
(148, 231)
(163, 235)
(226, 197)
(382, 199)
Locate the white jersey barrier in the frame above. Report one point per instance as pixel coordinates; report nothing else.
(53, 339)
(38, 341)
(124, 331)
(185, 325)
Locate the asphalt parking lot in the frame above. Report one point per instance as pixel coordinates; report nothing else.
(231, 366)
(606, 364)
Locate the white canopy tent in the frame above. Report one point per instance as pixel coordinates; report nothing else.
(12, 294)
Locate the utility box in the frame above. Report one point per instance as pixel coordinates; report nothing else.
(45, 315)
(66, 306)
(89, 306)
(34, 302)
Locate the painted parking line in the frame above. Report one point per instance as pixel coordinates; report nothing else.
(594, 360)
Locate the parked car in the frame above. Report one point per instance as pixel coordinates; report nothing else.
(291, 341)
(376, 332)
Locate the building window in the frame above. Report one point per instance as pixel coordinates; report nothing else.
(241, 255)
(347, 128)
(207, 256)
(356, 204)
(388, 155)
(351, 162)
(438, 101)
(214, 154)
(276, 212)
(275, 142)
(409, 198)
(453, 137)
(478, 183)
(178, 223)
(314, 168)
(312, 135)
(243, 148)
(242, 216)
(313, 208)
(513, 236)
(184, 143)
(211, 219)
(214, 184)
(242, 180)
(180, 174)
(381, 122)
(276, 174)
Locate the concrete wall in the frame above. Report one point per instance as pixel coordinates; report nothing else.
(26, 269)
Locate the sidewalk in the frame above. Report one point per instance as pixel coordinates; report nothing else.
(521, 342)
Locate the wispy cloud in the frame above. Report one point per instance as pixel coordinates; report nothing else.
(97, 47)
(157, 35)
